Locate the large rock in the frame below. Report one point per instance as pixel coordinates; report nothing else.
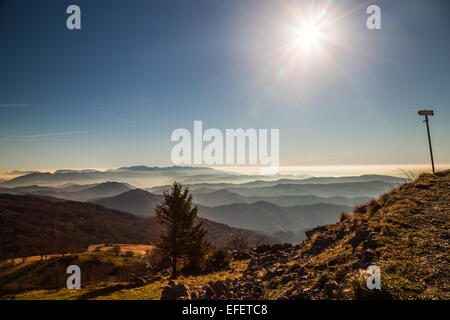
(175, 290)
(219, 287)
(242, 254)
(330, 287)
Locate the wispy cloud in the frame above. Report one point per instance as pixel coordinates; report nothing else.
(42, 135)
(5, 105)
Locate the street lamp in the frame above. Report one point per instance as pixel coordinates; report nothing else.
(427, 113)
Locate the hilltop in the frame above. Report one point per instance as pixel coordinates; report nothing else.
(136, 201)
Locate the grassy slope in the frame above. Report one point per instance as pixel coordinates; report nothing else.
(117, 288)
(409, 231)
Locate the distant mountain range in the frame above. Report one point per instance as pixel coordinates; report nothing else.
(370, 189)
(222, 197)
(31, 225)
(197, 177)
(73, 192)
(141, 176)
(136, 175)
(268, 217)
(285, 207)
(346, 189)
(208, 187)
(262, 216)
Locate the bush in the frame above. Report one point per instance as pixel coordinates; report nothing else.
(115, 250)
(220, 259)
(129, 254)
(157, 261)
(344, 216)
(361, 209)
(374, 206)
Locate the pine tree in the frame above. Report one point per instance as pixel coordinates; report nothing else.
(197, 250)
(179, 235)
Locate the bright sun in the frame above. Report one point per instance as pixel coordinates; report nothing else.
(308, 35)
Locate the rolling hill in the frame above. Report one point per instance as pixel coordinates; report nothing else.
(261, 215)
(74, 192)
(101, 190)
(31, 225)
(268, 217)
(136, 201)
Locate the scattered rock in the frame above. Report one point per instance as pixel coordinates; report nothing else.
(175, 291)
(330, 287)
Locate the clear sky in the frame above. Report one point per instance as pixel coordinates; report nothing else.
(111, 94)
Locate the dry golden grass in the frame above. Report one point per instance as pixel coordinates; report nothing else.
(137, 249)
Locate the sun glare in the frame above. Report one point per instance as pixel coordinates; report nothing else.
(308, 35)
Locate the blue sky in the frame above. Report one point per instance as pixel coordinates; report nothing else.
(111, 94)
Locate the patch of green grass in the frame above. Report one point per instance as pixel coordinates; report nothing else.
(153, 291)
(114, 291)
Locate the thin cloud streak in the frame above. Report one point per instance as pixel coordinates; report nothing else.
(6, 105)
(43, 135)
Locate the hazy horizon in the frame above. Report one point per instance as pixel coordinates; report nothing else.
(398, 170)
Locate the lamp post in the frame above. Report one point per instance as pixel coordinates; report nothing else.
(427, 113)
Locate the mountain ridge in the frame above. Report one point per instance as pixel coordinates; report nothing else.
(31, 225)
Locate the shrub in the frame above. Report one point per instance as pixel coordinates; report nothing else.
(95, 259)
(374, 206)
(129, 253)
(294, 267)
(344, 216)
(115, 250)
(220, 259)
(360, 209)
(157, 261)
